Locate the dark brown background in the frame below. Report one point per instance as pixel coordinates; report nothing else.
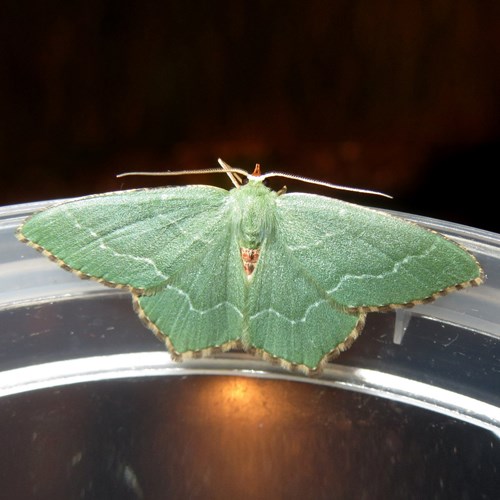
(397, 96)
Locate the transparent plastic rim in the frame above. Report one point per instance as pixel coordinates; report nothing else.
(156, 364)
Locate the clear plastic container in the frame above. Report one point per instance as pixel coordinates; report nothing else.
(92, 406)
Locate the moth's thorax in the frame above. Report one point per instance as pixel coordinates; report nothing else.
(254, 214)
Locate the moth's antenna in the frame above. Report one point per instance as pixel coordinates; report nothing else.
(235, 178)
(187, 172)
(322, 183)
(235, 173)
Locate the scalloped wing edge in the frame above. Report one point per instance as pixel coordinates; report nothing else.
(238, 345)
(441, 293)
(46, 253)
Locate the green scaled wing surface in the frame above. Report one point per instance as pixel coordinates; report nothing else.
(291, 317)
(289, 277)
(172, 244)
(364, 259)
(135, 239)
(329, 262)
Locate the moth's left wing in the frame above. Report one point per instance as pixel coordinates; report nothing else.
(365, 259)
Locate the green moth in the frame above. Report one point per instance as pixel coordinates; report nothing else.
(289, 277)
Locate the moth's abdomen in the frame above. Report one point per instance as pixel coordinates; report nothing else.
(250, 257)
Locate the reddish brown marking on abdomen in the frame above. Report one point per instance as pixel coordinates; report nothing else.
(250, 257)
